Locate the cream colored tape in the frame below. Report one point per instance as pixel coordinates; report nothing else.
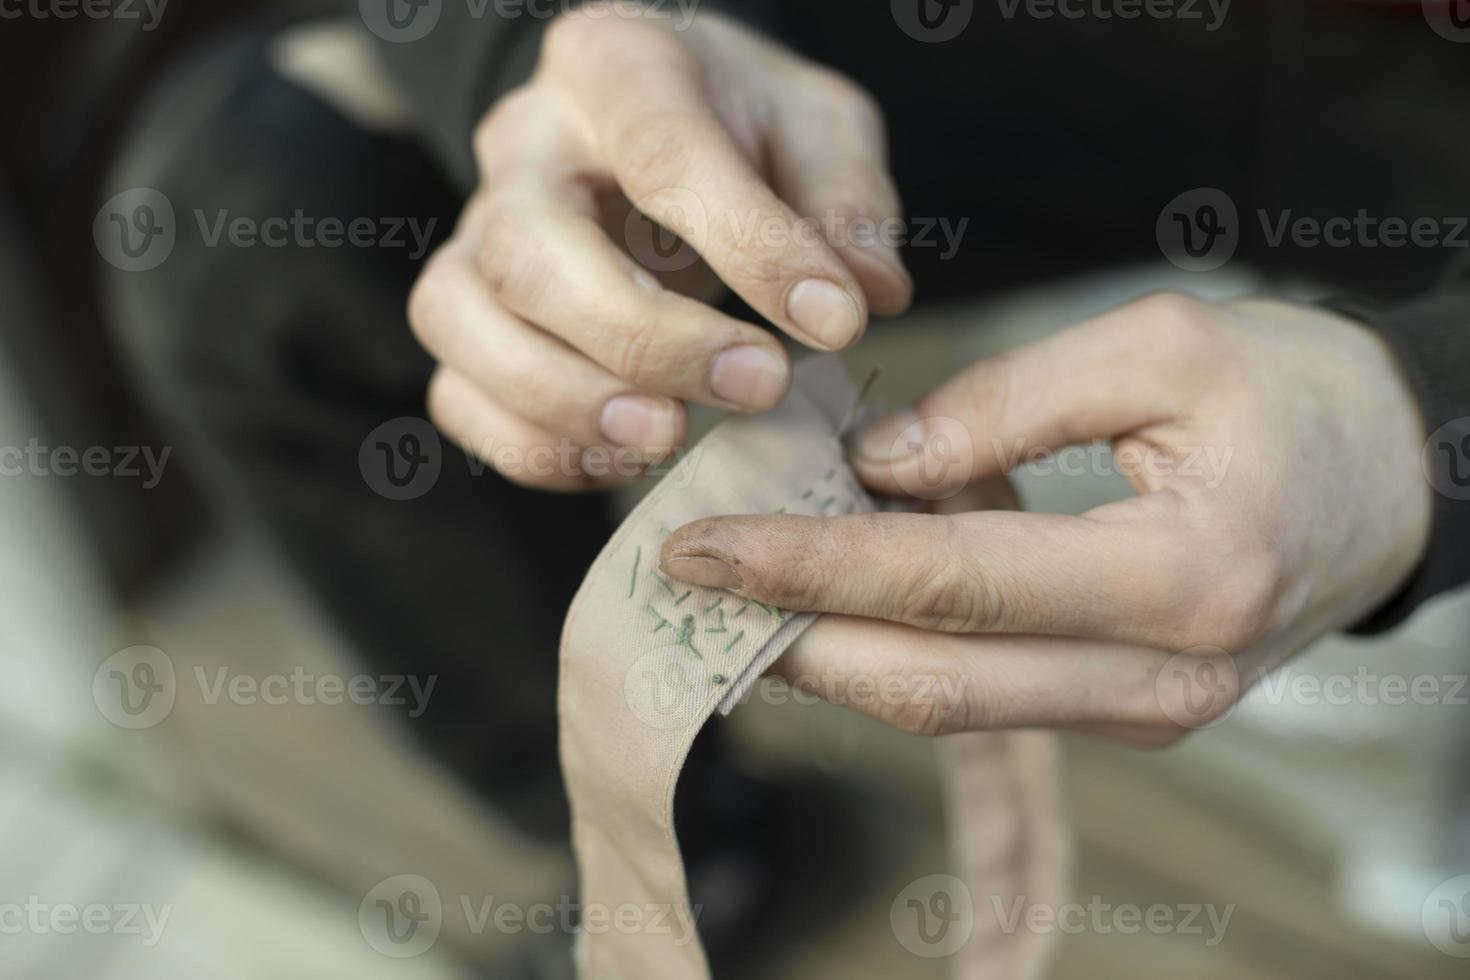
(645, 662)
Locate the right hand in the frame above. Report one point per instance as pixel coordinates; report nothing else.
(549, 334)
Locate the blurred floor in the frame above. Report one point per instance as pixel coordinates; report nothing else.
(262, 828)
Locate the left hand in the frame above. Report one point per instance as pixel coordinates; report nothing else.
(1275, 452)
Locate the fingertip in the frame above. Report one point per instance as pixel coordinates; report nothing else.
(828, 314)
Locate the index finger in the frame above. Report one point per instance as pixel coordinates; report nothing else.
(677, 162)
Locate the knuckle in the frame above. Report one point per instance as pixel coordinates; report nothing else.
(492, 131)
(571, 38)
(950, 596)
(445, 406)
(508, 258)
(1237, 609)
(834, 88)
(926, 717)
(653, 151)
(426, 303)
(1179, 322)
(635, 355)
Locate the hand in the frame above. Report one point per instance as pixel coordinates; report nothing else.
(1275, 453)
(549, 334)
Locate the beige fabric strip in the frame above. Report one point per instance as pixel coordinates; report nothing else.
(646, 661)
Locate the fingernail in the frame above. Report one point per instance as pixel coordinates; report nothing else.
(638, 421)
(752, 377)
(701, 571)
(884, 439)
(825, 311)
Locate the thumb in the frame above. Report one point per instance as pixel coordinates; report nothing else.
(1123, 371)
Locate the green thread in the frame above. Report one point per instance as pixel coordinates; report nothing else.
(633, 581)
(775, 613)
(664, 582)
(661, 621)
(738, 637)
(830, 474)
(721, 628)
(680, 601)
(741, 612)
(828, 503)
(719, 678)
(807, 495)
(717, 604)
(686, 636)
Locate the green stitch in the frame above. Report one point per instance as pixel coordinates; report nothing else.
(719, 678)
(680, 601)
(717, 604)
(738, 637)
(686, 636)
(664, 582)
(633, 581)
(830, 474)
(828, 503)
(775, 613)
(661, 621)
(779, 510)
(807, 495)
(741, 612)
(721, 628)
